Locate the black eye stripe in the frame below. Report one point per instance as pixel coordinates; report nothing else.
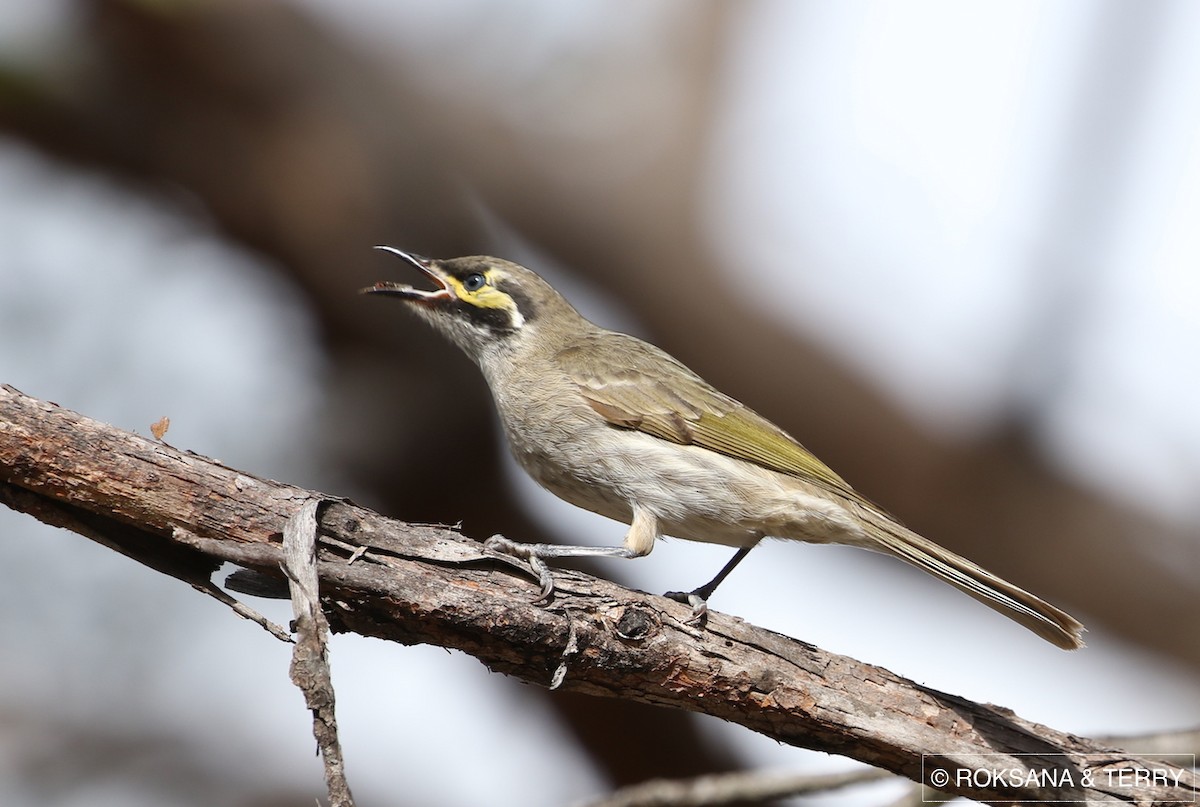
(497, 321)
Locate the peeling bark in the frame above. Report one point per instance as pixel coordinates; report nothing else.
(418, 584)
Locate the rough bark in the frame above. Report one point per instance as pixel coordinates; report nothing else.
(183, 514)
(310, 657)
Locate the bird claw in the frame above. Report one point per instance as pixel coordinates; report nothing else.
(692, 598)
(498, 543)
(527, 553)
(542, 570)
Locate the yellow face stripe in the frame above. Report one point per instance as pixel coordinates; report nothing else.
(488, 296)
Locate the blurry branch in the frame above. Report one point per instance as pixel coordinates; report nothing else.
(754, 787)
(1162, 744)
(183, 514)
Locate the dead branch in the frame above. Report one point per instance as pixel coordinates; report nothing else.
(310, 657)
(184, 514)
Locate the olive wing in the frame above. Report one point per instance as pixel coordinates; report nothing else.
(651, 392)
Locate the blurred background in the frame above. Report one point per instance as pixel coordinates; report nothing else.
(952, 247)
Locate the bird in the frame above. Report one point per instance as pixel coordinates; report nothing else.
(617, 426)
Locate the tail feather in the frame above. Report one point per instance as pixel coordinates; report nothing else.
(1052, 624)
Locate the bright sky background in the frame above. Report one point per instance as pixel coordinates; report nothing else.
(922, 173)
(917, 155)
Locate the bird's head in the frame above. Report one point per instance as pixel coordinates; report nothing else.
(482, 304)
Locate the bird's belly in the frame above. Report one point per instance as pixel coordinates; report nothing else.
(695, 493)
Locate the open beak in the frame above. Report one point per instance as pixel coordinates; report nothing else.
(440, 294)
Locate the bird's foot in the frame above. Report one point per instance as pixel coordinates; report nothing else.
(529, 554)
(695, 599)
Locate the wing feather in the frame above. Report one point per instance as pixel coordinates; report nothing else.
(655, 394)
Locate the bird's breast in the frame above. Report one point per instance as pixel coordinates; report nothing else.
(695, 493)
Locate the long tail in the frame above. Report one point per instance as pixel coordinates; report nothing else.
(1053, 625)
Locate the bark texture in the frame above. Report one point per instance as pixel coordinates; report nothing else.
(184, 514)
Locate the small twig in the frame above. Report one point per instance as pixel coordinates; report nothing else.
(572, 647)
(356, 552)
(310, 658)
(241, 609)
(753, 787)
(222, 596)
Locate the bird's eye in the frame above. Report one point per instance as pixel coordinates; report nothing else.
(474, 281)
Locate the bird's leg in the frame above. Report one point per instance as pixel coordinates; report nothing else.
(638, 542)
(698, 597)
(535, 554)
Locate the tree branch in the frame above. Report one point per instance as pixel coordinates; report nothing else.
(310, 657)
(742, 787)
(184, 514)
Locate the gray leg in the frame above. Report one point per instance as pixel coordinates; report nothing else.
(535, 554)
(643, 531)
